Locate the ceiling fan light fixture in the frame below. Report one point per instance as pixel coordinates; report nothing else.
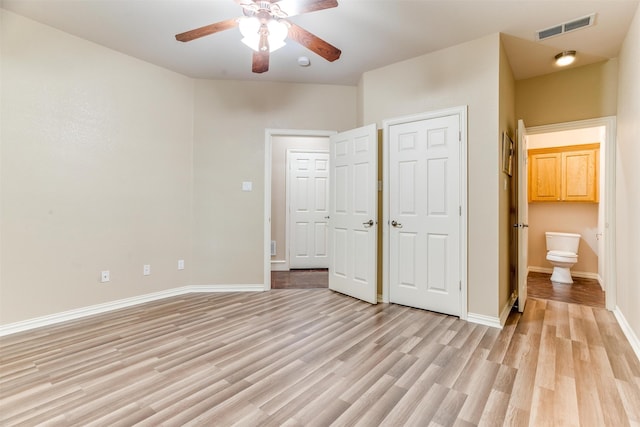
(253, 33)
(264, 29)
(278, 32)
(565, 58)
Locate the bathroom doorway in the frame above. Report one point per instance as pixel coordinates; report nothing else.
(594, 280)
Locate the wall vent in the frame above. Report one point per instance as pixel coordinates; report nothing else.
(566, 27)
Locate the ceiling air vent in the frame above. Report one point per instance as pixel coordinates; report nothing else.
(576, 24)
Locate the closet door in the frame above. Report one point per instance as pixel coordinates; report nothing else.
(425, 214)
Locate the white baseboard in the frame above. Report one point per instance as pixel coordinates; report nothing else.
(494, 322)
(581, 274)
(78, 313)
(225, 288)
(481, 319)
(628, 331)
(279, 265)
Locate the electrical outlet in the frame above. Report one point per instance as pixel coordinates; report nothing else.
(180, 264)
(146, 270)
(105, 276)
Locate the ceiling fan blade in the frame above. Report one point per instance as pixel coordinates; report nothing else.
(313, 43)
(206, 30)
(297, 7)
(260, 62)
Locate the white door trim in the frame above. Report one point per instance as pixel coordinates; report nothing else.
(269, 134)
(287, 231)
(461, 112)
(609, 122)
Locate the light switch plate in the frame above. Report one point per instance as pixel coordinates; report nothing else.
(180, 264)
(146, 270)
(247, 186)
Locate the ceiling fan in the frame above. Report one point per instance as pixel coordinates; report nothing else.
(264, 28)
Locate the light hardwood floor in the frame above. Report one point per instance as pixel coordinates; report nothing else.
(313, 357)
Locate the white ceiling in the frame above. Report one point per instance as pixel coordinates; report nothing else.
(370, 33)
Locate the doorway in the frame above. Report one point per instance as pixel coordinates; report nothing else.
(276, 230)
(594, 275)
(353, 163)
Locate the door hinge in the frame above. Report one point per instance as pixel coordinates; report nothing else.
(460, 285)
(459, 136)
(459, 210)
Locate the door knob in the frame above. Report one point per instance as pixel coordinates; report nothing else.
(368, 223)
(396, 224)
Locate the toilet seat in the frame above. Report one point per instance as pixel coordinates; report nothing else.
(562, 256)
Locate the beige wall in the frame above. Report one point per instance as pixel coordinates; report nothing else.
(229, 142)
(466, 74)
(576, 94)
(506, 186)
(628, 179)
(96, 173)
(279, 185)
(581, 218)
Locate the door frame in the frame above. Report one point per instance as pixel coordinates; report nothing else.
(461, 112)
(269, 134)
(609, 123)
(288, 198)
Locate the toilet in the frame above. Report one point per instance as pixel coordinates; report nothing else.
(562, 253)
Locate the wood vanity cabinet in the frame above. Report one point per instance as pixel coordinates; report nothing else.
(564, 174)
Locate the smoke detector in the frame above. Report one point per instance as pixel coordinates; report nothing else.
(303, 61)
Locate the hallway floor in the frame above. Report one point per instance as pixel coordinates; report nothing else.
(300, 279)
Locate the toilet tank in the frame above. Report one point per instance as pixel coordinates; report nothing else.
(566, 242)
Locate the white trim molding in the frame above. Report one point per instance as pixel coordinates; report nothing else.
(628, 331)
(78, 313)
(494, 322)
(279, 265)
(482, 319)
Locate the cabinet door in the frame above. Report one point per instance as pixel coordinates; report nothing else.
(579, 180)
(545, 177)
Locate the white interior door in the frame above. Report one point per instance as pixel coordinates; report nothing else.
(523, 216)
(308, 209)
(353, 211)
(425, 214)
